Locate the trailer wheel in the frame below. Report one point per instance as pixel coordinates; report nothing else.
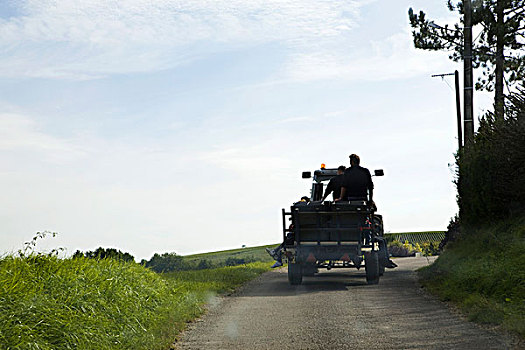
(372, 267)
(383, 256)
(295, 275)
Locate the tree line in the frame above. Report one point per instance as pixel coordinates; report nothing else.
(165, 262)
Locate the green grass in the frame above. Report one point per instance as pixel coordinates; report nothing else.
(219, 280)
(51, 303)
(484, 274)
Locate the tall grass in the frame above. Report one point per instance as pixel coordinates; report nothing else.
(52, 303)
(484, 273)
(219, 280)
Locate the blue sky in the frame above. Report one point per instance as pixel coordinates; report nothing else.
(184, 126)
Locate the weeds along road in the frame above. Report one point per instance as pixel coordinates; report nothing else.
(337, 310)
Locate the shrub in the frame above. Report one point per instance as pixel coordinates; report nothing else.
(430, 248)
(452, 233)
(204, 264)
(399, 249)
(166, 262)
(491, 169)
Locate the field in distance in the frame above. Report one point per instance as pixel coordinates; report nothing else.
(249, 254)
(252, 254)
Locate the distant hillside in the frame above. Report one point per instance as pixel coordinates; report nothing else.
(220, 257)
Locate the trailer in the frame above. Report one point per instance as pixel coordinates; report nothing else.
(329, 235)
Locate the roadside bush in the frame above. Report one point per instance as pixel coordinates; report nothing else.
(452, 233)
(430, 248)
(399, 249)
(491, 169)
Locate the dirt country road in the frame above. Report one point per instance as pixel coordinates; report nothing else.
(337, 310)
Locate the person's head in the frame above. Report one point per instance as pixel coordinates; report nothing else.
(305, 199)
(341, 170)
(354, 160)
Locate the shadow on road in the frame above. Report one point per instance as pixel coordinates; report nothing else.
(277, 284)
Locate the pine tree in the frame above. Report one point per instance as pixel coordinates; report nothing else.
(499, 49)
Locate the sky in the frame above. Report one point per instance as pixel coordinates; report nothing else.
(184, 126)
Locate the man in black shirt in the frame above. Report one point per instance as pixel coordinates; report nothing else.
(356, 182)
(334, 185)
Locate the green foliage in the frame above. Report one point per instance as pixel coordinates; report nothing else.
(491, 170)
(510, 31)
(219, 280)
(166, 262)
(105, 253)
(102, 302)
(30, 247)
(452, 233)
(52, 303)
(399, 249)
(80, 303)
(483, 271)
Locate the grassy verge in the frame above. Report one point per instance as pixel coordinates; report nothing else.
(484, 274)
(51, 303)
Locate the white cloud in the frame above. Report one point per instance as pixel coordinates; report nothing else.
(21, 133)
(83, 39)
(391, 58)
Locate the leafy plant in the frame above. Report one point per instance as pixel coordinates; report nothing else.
(30, 246)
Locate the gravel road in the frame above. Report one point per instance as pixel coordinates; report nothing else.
(337, 310)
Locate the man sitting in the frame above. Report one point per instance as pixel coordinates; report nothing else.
(334, 185)
(356, 182)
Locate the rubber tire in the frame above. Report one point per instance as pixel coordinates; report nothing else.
(372, 267)
(381, 270)
(295, 275)
(383, 257)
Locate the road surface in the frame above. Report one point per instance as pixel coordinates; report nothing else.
(337, 310)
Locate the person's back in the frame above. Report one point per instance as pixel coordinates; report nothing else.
(357, 181)
(335, 183)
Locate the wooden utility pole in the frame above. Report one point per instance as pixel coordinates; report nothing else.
(499, 103)
(458, 111)
(468, 91)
